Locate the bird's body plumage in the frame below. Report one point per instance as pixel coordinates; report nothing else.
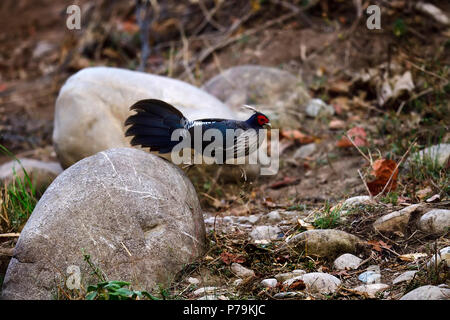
(155, 121)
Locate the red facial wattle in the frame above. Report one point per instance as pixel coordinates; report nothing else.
(262, 120)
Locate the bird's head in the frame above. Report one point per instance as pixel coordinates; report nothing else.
(259, 120)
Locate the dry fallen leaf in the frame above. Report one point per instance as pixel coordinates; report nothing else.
(383, 169)
(412, 256)
(357, 134)
(421, 194)
(287, 181)
(378, 245)
(229, 258)
(296, 135)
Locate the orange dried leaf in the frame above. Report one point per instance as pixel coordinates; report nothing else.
(296, 135)
(383, 169)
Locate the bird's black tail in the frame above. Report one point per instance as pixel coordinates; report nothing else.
(153, 124)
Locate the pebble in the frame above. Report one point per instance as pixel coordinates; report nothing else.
(372, 275)
(372, 289)
(354, 201)
(435, 221)
(347, 261)
(192, 280)
(269, 283)
(443, 255)
(405, 276)
(321, 282)
(274, 216)
(241, 271)
(281, 277)
(317, 107)
(267, 233)
(206, 290)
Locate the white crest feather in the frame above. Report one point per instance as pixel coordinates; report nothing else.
(246, 106)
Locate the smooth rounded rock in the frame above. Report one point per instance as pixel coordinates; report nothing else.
(265, 233)
(405, 277)
(435, 221)
(136, 215)
(372, 289)
(241, 271)
(321, 282)
(269, 283)
(324, 243)
(93, 104)
(41, 173)
(427, 293)
(347, 261)
(277, 93)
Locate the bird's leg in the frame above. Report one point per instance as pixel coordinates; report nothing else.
(243, 173)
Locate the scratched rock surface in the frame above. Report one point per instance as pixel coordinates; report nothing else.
(135, 214)
(93, 104)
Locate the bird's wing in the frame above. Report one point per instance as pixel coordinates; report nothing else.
(244, 144)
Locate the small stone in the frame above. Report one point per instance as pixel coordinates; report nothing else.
(289, 294)
(317, 107)
(443, 255)
(267, 233)
(269, 283)
(405, 276)
(305, 151)
(347, 261)
(42, 48)
(242, 271)
(274, 216)
(435, 221)
(324, 242)
(237, 282)
(321, 282)
(281, 277)
(395, 221)
(253, 219)
(372, 275)
(192, 280)
(206, 290)
(336, 124)
(213, 297)
(427, 293)
(372, 289)
(354, 201)
(437, 154)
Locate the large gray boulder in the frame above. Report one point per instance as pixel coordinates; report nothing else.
(135, 214)
(277, 93)
(93, 104)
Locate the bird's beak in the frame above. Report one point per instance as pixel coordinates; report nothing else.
(267, 125)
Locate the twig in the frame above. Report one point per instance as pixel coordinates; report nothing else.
(143, 19)
(9, 235)
(365, 184)
(360, 151)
